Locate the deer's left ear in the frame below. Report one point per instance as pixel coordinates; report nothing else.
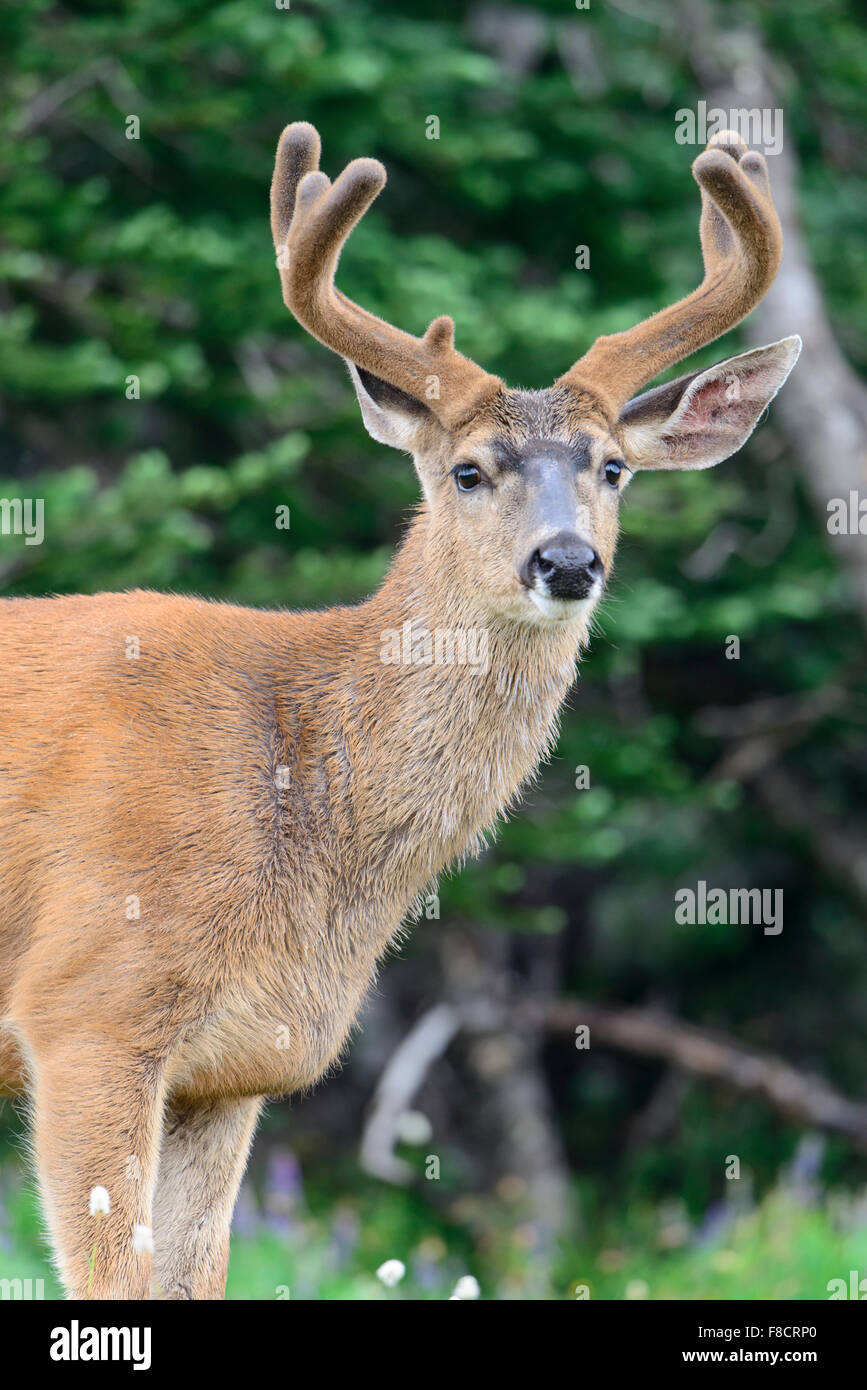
(701, 419)
(391, 416)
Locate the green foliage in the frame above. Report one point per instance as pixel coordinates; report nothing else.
(782, 1249)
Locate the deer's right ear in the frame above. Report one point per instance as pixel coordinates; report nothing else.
(391, 416)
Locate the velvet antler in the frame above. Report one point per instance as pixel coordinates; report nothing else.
(741, 244)
(311, 219)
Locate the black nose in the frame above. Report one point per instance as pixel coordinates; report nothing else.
(565, 567)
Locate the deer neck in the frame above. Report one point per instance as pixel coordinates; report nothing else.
(446, 714)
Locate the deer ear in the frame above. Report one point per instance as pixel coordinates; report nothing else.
(391, 416)
(701, 419)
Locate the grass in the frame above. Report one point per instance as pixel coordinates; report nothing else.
(784, 1248)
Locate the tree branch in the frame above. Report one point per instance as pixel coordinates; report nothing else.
(648, 1033)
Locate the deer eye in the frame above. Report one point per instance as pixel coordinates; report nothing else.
(613, 470)
(467, 476)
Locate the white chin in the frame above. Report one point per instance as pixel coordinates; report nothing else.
(564, 610)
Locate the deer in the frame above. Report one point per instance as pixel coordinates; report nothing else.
(215, 820)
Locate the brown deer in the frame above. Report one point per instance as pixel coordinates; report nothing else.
(213, 820)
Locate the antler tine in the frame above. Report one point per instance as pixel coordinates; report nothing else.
(741, 244)
(311, 219)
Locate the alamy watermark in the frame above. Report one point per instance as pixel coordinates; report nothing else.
(23, 516)
(847, 516)
(761, 126)
(77, 1343)
(415, 645)
(855, 1287)
(758, 907)
(22, 1289)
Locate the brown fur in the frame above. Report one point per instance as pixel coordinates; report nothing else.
(207, 847)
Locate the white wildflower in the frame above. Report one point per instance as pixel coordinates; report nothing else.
(466, 1288)
(391, 1273)
(142, 1240)
(100, 1202)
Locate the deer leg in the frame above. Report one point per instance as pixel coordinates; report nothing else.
(96, 1125)
(202, 1160)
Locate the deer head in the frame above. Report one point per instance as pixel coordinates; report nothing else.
(522, 487)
